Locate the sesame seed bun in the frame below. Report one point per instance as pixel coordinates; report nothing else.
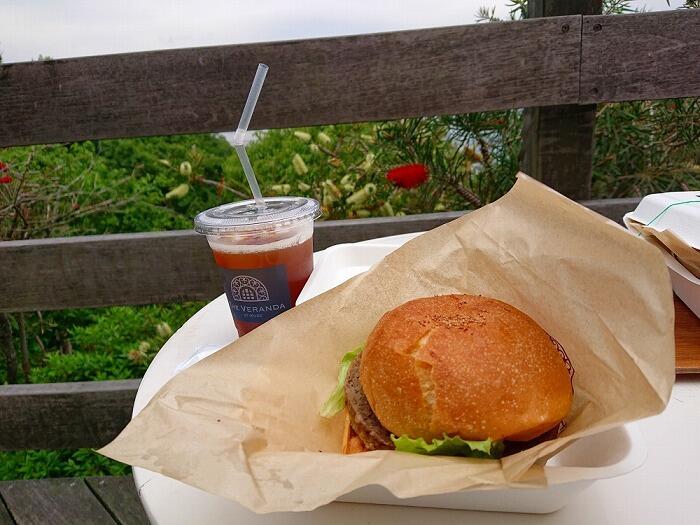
(464, 365)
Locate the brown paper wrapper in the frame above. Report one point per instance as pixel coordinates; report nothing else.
(685, 254)
(244, 423)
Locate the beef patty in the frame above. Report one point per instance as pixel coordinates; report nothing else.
(362, 418)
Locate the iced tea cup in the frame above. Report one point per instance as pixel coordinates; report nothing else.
(265, 254)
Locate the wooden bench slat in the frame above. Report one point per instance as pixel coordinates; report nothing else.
(319, 81)
(5, 518)
(640, 56)
(64, 415)
(147, 268)
(54, 501)
(687, 339)
(118, 495)
(161, 267)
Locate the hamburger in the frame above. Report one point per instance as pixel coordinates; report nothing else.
(453, 375)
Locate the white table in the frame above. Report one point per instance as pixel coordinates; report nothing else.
(663, 490)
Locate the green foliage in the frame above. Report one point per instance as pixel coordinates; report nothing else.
(647, 147)
(80, 366)
(99, 344)
(33, 464)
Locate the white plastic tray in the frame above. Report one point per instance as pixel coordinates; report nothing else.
(680, 213)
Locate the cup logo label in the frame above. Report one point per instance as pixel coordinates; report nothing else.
(248, 289)
(256, 295)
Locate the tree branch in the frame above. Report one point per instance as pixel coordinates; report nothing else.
(467, 195)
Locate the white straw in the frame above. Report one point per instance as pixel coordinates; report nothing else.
(250, 174)
(239, 139)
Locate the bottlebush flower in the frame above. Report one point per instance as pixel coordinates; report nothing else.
(324, 138)
(361, 195)
(299, 165)
(136, 356)
(4, 179)
(303, 186)
(302, 135)
(332, 188)
(348, 178)
(357, 198)
(408, 176)
(163, 329)
(331, 193)
(348, 182)
(281, 189)
(185, 169)
(178, 192)
(473, 155)
(369, 160)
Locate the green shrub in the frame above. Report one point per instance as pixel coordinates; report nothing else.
(33, 464)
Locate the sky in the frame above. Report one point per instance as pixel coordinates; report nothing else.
(69, 28)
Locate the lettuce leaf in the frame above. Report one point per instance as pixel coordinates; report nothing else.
(336, 402)
(450, 446)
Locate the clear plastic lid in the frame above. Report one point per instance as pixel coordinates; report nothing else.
(246, 216)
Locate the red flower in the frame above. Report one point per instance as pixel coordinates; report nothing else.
(3, 166)
(408, 176)
(5, 180)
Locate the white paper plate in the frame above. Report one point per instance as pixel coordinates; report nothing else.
(605, 455)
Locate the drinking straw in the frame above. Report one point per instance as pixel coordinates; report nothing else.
(240, 138)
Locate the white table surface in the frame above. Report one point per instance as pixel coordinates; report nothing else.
(664, 490)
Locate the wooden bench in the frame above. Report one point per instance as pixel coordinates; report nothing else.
(71, 501)
(558, 67)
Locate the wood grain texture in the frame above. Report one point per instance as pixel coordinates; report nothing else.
(5, 518)
(160, 267)
(613, 209)
(53, 501)
(542, 8)
(96, 270)
(118, 495)
(640, 56)
(330, 80)
(64, 415)
(687, 339)
(558, 147)
(146, 268)
(558, 140)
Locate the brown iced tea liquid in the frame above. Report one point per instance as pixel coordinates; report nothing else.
(298, 260)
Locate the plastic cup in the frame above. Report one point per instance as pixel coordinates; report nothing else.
(265, 254)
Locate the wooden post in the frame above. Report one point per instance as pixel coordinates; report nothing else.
(558, 140)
